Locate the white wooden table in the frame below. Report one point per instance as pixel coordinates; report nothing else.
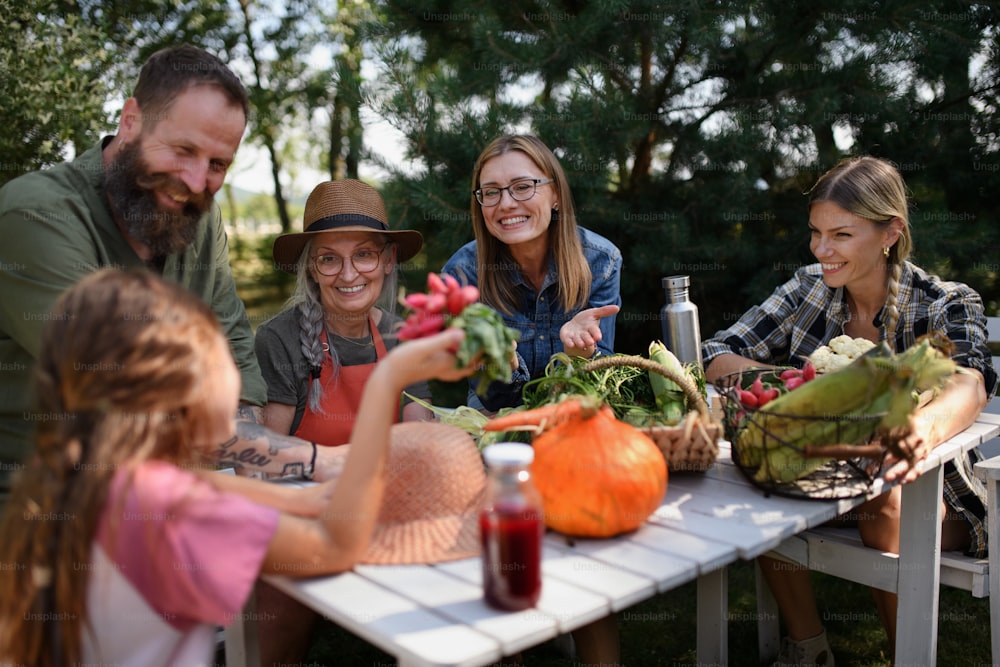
(434, 615)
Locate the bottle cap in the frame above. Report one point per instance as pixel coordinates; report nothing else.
(507, 454)
(676, 282)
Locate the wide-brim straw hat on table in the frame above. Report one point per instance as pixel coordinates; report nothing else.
(344, 205)
(434, 489)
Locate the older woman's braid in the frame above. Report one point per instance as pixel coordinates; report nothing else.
(310, 328)
(305, 298)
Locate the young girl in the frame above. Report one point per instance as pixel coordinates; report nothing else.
(864, 286)
(119, 547)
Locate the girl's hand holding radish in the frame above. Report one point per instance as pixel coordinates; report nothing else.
(488, 340)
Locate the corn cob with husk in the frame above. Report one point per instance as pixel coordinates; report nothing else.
(798, 432)
(669, 396)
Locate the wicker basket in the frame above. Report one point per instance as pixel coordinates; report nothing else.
(841, 471)
(693, 444)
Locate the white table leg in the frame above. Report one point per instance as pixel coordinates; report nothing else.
(242, 647)
(713, 618)
(919, 570)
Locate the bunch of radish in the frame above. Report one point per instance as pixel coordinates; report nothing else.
(445, 296)
(448, 303)
(761, 393)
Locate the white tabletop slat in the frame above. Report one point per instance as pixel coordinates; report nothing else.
(735, 514)
(708, 554)
(397, 625)
(570, 605)
(463, 602)
(668, 570)
(622, 587)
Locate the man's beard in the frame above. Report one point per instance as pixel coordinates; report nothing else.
(132, 192)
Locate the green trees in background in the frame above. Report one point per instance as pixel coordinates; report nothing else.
(689, 129)
(52, 83)
(67, 65)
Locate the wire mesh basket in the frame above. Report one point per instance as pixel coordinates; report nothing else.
(822, 456)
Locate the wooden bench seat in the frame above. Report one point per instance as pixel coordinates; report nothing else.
(834, 550)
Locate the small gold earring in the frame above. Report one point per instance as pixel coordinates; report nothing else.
(885, 251)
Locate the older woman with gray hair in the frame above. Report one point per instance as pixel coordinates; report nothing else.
(317, 353)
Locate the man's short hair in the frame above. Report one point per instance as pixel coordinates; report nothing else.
(170, 71)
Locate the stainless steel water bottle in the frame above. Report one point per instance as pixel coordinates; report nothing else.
(679, 317)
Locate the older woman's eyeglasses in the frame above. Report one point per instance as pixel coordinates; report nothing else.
(363, 261)
(520, 190)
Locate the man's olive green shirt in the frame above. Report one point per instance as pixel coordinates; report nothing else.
(55, 228)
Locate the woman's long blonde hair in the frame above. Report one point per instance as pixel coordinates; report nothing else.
(495, 260)
(873, 189)
(118, 382)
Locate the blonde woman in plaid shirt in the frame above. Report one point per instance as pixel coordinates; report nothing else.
(864, 286)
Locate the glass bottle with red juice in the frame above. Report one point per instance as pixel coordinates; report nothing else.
(511, 529)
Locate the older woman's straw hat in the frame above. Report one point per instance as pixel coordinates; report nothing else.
(343, 206)
(434, 488)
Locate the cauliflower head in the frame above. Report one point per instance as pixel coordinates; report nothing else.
(841, 351)
(850, 347)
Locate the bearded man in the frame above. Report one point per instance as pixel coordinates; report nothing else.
(141, 198)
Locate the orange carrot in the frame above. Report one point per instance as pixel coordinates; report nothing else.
(574, 407)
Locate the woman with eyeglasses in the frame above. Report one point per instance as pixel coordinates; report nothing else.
(317, 354)
(555, 282)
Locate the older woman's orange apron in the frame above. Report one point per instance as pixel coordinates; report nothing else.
(341, 398)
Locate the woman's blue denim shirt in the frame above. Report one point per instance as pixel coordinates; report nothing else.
(540, 316)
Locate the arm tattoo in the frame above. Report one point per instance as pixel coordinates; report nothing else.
(249, 413)
(231, 451)
(294, 470)
(255, 447)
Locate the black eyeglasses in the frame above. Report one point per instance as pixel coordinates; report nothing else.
(363, 261)
(521, 190)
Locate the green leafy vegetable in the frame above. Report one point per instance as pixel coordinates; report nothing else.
(471, 421)
(627, 389)
(486, 335)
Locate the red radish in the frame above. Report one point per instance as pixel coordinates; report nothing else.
(767, 396)
(416, 301)
(450, 282)
(436, 302)
(748, 399)
(794, 383)
(757, 387)
(423, 325)
(435, 284)
(470, 294)
(790, 373)
(808, 371)
(455, 301)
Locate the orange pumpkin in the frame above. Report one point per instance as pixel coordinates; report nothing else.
(597, 476)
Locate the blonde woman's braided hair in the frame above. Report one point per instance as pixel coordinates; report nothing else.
(873, 189)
